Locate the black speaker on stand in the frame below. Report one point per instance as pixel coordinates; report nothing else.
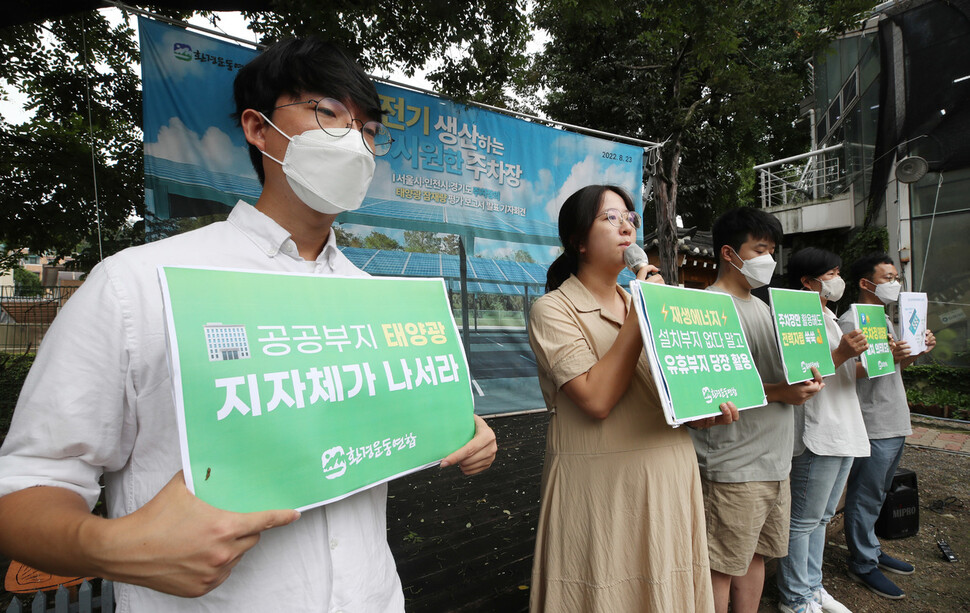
(899, 517)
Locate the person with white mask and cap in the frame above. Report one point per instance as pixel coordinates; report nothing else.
(886, 414)
(98, 400)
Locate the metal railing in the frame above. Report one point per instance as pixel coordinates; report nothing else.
(27, 314)
(802, 178)
(83, 601)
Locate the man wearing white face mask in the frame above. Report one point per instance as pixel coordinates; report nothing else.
(98, 400)
(886, 414)
(744, 467)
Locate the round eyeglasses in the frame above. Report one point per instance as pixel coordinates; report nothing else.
(616, 217)
(334, 119)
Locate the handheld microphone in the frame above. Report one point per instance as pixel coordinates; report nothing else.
(635, 258)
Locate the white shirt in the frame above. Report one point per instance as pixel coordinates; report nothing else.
(830, 423)
(99, 399)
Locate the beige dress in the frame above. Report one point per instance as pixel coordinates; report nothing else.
(621, 525)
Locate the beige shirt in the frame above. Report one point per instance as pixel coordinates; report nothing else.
(621, 524)
(569, 333)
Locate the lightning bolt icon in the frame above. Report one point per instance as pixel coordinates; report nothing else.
(664, 311)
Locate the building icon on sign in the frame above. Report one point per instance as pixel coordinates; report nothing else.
(226, 342)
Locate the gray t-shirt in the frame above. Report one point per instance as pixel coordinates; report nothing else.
(883, 399)
(758, 447)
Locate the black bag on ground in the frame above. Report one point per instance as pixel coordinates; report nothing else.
(899, 517)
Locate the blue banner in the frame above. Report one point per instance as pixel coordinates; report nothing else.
(196, 158)
(484, 175)
(454, 171)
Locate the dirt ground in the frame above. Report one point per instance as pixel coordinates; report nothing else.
(937, 585)
(466, 544)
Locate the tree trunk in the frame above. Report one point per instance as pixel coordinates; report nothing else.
(665, 195)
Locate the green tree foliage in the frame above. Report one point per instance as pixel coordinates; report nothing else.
(27, 283)
(449, 244)
(499, 302)
(521, 255)
(379, 240)
(13, 371)
(718, 82)
(47, 178)
(346, 238)
(479, 45)
(871, 239)
(430, 242)
(47, 190)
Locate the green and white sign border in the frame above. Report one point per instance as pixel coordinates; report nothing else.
(175, 370)
(660, 379)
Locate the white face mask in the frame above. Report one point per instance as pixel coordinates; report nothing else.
(888, 293)
(832, 289)
(329, 174)
(757, 270)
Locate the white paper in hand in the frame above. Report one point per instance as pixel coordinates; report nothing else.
(912, 321)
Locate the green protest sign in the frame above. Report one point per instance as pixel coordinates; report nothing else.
(699, 356)
(878, 358)
(297, 390)
(800, 333)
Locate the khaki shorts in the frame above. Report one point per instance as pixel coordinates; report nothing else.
(744, 519)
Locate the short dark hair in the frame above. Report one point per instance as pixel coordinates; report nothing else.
(298, 66)
(865, 267)
(810, 262)
(576, 217)
(735, 226)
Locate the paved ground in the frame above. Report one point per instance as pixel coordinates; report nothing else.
(944, 512)
(465, 543)
(950, 441)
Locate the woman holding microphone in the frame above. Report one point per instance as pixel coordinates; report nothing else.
(621, 525)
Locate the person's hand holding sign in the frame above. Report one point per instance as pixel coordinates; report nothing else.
(900, 349)
(853, 344)
(729, 414)
(180, 545)
(796, 393)
(477, 454)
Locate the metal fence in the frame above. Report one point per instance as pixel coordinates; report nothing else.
(802, 178)
(86, 601)
(26, 315)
